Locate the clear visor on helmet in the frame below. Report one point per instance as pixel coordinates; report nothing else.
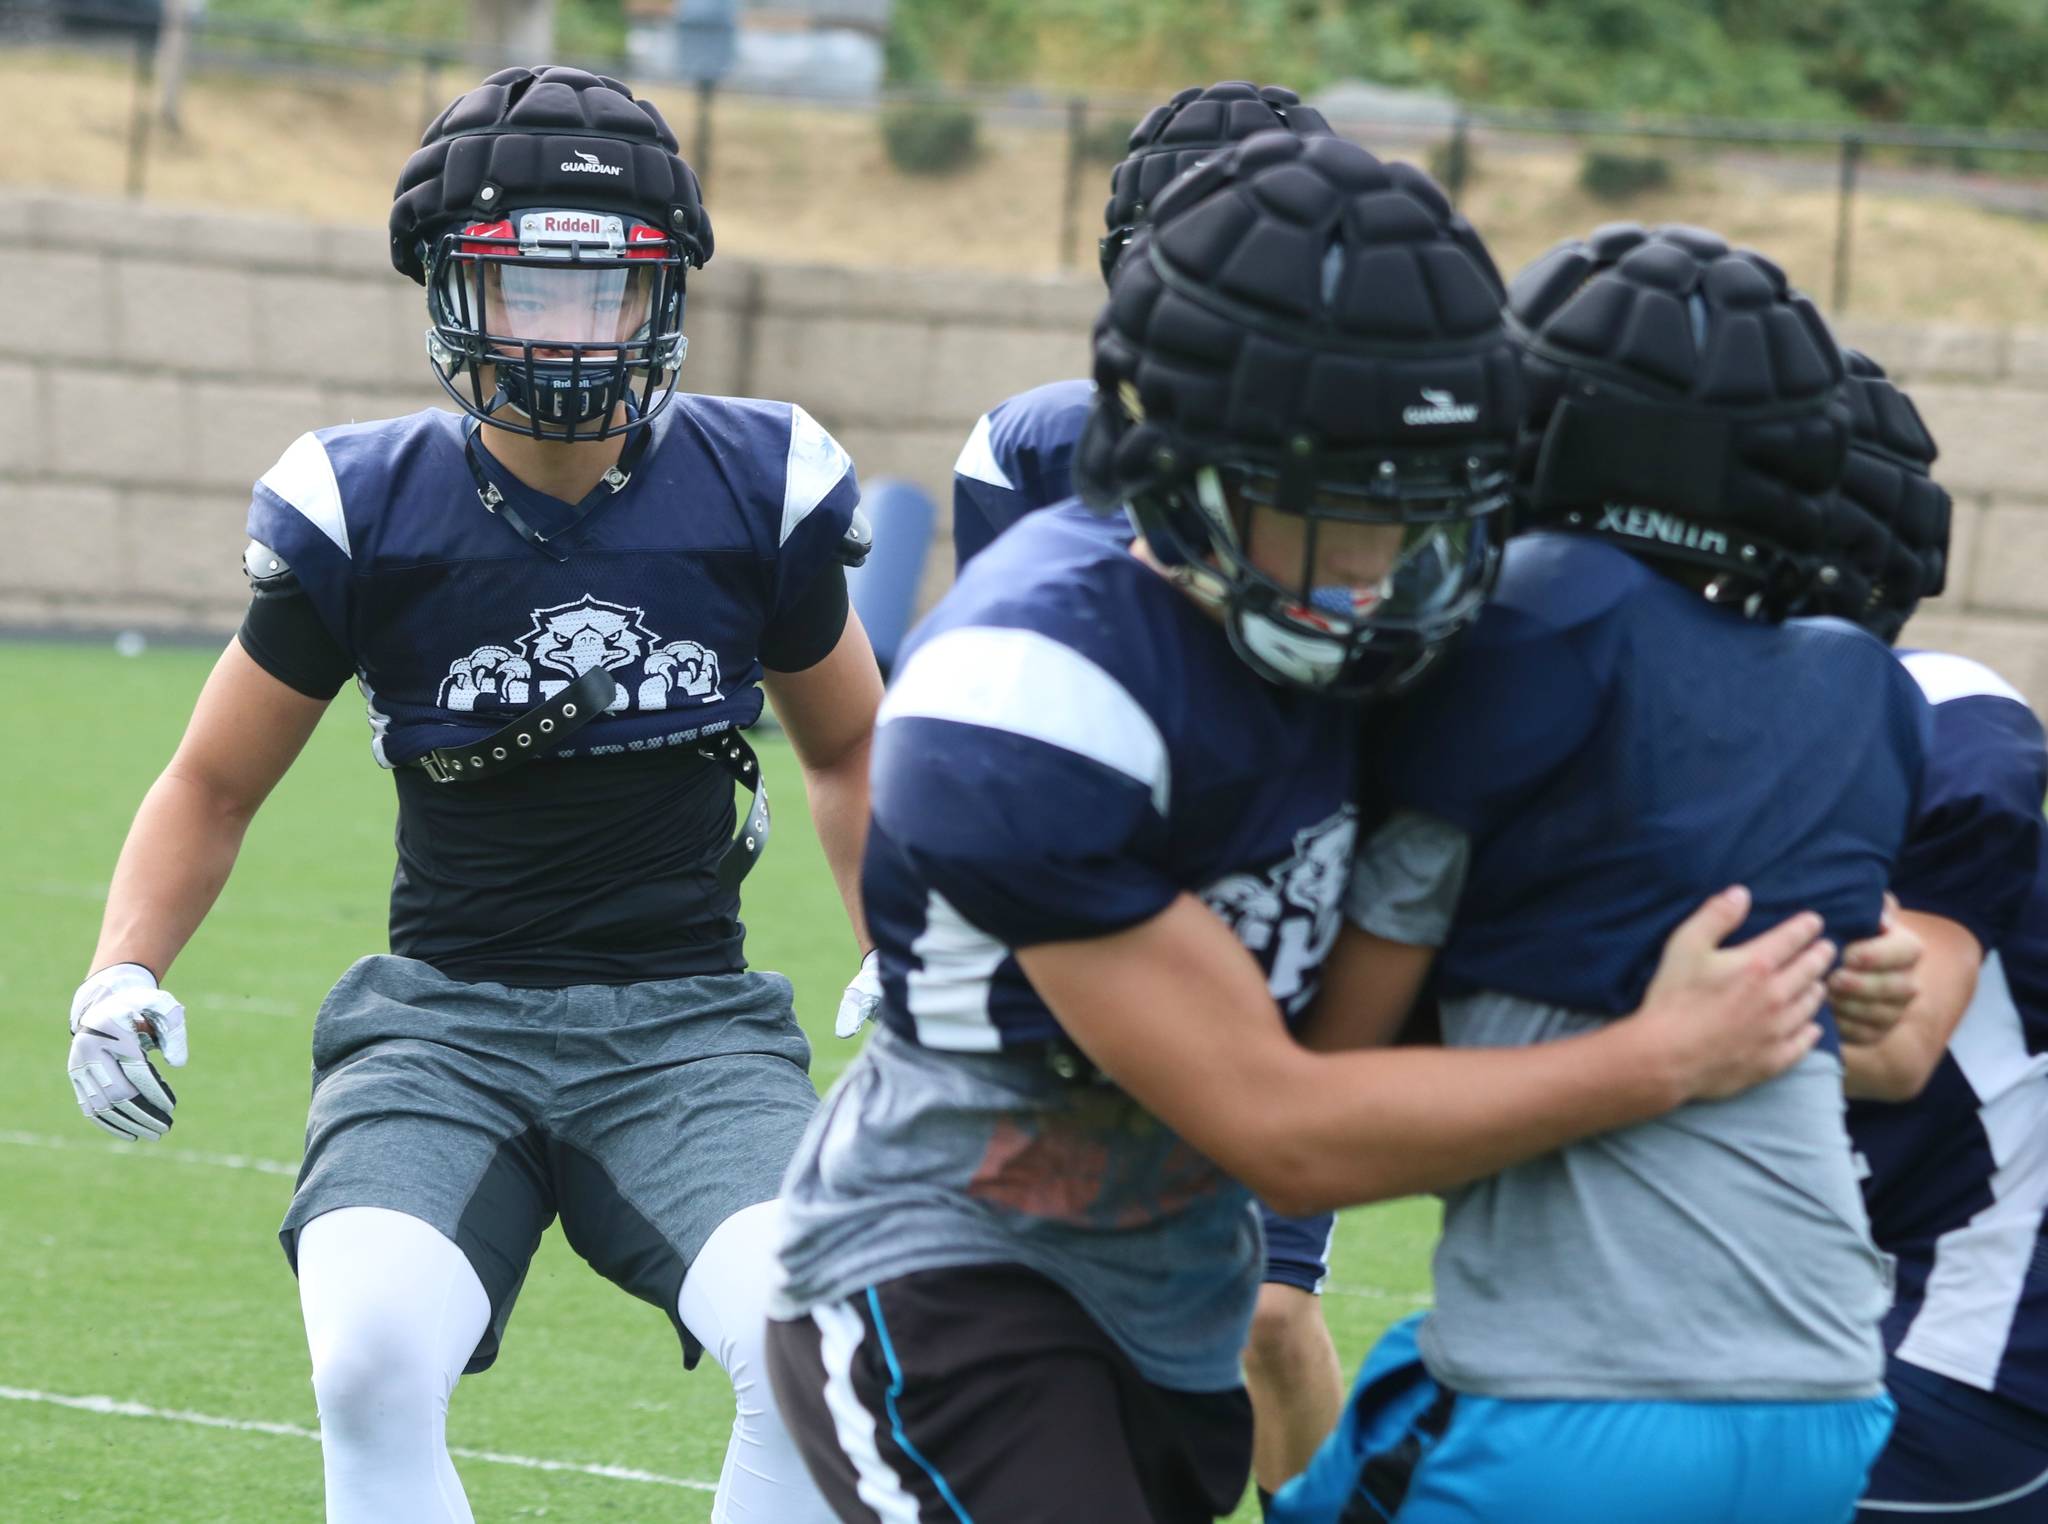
(562, 324)
(1340, 556)
(547, 302)
(556, 279)
(1432, 568)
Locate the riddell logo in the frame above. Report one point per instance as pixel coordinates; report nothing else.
(1440, 407)
(553, 222)
(591, 164)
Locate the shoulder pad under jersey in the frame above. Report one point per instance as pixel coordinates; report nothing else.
(269, 574)
(858, 540)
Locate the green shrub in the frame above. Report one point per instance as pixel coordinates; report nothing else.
(1617, 175)
(930, 137)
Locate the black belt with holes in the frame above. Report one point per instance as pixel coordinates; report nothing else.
(552, 721)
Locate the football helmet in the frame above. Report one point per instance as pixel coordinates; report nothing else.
(553, 224)
(1891, 516)
(1306, 333)
(1685, 403)
(1196, 124)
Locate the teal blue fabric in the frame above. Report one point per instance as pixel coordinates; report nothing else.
(1499, 1461)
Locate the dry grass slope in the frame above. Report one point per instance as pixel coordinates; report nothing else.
(811, 184)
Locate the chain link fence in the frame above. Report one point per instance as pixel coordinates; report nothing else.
(1881, 221)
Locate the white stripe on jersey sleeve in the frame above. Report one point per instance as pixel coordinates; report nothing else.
(978, 461)
(948, 990)
(815, 466)
(1031, 685)
(1943, 677)
(304, 477)
(840, 1335)
(1980, 1269)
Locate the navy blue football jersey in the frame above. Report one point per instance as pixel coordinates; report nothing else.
(597, 862)
(1018, 459)
(456, 624)
(1957, 1180)
(1618, 749)
(1068, 745)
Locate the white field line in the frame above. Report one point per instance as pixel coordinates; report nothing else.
(1376, 1294)
(113, 1407)
(168, 1153)
(252, 1005)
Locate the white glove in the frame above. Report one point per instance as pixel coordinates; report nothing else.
(116, 1016)
(861, 999)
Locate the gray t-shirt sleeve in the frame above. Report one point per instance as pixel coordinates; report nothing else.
(1407, 878)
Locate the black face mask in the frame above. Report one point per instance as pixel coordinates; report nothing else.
(572, 327)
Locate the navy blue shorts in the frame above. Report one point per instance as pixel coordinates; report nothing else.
(1297, 1248)
(1957, 1453)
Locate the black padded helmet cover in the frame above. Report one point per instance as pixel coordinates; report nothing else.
(1299, 313)
(1197, 124)
(1685, 401)
(553, 137)
(1298, 295)
(1889, 506)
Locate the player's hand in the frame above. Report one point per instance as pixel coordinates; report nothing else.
(116, 1016)
(1877, 981)
(861, 999)
(1726, 1018)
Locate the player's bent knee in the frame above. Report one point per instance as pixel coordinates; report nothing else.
(392, 1311)
(376, 1379)
(1286, 1332)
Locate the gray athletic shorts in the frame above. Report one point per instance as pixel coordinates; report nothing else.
(644, 1114)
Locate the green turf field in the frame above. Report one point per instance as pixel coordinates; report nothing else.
(151, 1360)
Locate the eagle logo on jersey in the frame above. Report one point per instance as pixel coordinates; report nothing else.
(1287, 917)
(572, 639)
(490, 673)
(575, 637)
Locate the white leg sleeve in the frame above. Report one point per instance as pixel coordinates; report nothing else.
(724, 1303)
(393, 1312)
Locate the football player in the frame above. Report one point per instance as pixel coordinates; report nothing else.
(1113, 825)
(1020, 458)
(1020, 455)
(1679, 1320)
(1950, 1115)
(562, 606)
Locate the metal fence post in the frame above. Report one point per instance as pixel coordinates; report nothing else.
(1070, 183)
(1458, 156)
(139, 120)
(1852, 152)
(700, 155)
(430, 93)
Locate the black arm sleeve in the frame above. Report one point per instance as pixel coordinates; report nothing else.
(810, 627)
(284, 636)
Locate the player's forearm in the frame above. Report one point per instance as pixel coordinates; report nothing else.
(177, 856)
(1374, 1126)
(838, 796)
(1886, 1072)
(1898, 1066)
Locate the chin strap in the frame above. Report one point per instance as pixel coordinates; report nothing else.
(496, 502)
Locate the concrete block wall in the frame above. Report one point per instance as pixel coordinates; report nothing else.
(1984, 395)
(154, 362)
